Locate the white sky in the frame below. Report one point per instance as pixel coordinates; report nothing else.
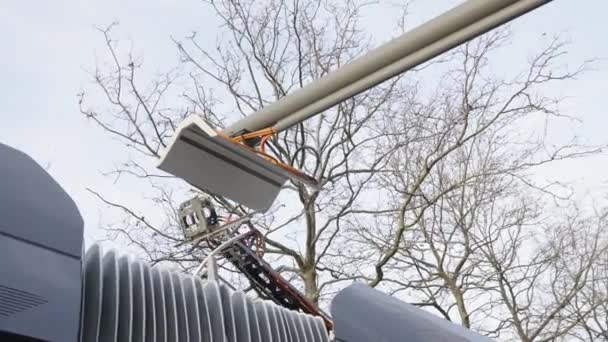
(46, 44)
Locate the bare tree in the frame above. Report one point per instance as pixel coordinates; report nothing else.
(267, 49)
(430, 196)
(587, 312)
(468, 210)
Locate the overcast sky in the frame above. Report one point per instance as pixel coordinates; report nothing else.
(46, 45)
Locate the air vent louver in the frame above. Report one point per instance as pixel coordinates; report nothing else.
(14, 301)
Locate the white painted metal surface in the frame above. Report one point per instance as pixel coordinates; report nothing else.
(208, 161)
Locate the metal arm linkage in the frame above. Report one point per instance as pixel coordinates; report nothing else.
(266, 281)
(244, 251)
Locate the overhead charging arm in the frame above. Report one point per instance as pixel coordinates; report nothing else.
(454, 27)
(228, 164)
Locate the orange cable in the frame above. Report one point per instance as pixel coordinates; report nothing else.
(265, 134)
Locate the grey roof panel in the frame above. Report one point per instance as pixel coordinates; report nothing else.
(215, 312)
(41, 273)
(241, 317)
(362, 314)
(150, 300)
(192, 311)
(159, 305)
(126, 300)
(311, 333)
(290, 325)
(203, 311)
(34, 207)
(228, 307)
(171, 311)
(319, 329)
(264, 322)
(138, 302)
(303, 329)
(109, 310)
(280, 323)
(93, 292)
(255, 325)
(180, 309)
(272, 318)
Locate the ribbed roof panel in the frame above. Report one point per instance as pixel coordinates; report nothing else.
(127, 300)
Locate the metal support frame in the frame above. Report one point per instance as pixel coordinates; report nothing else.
(267, 283)
(244, 250)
